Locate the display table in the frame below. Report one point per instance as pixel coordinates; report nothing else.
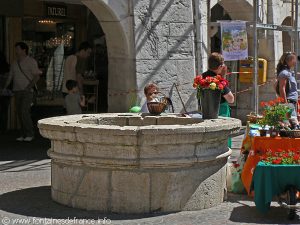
(272, 180)
(258, 146)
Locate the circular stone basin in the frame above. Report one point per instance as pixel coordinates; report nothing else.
(136, 163)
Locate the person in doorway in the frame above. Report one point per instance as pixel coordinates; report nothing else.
(5, 94)
(150, 91)
(287, 83)
(75, 66)
(216, 66)
(24, 74)
(73, 100)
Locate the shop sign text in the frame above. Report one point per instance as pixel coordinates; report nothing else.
(56, 11)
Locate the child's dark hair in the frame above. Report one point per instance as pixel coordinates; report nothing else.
(70, 84)
(23, 46)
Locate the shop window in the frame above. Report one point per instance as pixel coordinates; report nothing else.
(49, 41)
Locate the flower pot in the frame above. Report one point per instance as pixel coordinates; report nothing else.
(263, 133)
(274, 132)
(210, 103)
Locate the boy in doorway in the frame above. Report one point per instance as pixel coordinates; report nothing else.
(73, 100)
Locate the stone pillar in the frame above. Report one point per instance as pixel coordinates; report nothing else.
(115, 18)
(164, 44)
(204, 37)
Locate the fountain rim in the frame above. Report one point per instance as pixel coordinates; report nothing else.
(71, 123)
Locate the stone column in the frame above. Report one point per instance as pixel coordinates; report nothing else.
(164, 44)
(205, 48)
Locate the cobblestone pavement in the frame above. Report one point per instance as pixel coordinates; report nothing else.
(25, 197)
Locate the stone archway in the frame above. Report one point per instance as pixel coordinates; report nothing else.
(286, 37)
(237, 9)
(244, 12)
(115, 22)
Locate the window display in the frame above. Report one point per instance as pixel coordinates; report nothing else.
(49, 41)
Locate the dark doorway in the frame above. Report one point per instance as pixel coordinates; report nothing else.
(2, 34)
(217, 13)
(99, 60)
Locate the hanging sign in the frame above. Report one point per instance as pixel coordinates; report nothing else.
(234, 40)
(56, 11)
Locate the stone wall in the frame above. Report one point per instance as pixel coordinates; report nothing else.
(154, 41)
(164, 43)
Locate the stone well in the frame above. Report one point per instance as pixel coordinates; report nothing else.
(136, 163)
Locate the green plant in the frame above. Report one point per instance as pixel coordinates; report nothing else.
(275, 113)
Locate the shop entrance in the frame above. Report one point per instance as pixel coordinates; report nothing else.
(51, 40)
(111, 63)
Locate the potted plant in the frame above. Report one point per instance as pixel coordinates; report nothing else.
(209, 92)
(274, 114)
(263, 123)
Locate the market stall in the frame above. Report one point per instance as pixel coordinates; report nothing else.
(271, 154)
(259, 146)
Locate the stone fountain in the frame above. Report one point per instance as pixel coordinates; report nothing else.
(138, 163)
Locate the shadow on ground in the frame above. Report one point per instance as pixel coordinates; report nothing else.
(246, 212)
(10, 149)
(249, 214)
(37, 202)
(14, 150)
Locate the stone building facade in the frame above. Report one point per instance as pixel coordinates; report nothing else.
(156, 41)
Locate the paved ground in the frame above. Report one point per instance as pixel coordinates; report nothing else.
(25, 196)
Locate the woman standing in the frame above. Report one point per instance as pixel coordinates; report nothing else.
(287, 83)
(4, 95)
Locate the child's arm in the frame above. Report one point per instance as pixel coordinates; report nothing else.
(82, 100)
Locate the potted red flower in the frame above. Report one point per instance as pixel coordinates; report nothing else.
(209, 92)
(274, 114)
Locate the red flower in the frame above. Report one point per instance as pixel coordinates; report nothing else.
(236, 165)
(200, 82)
(296, 157)
(263, 104)
(209, 79)
(219, 77)
(271, 103)
(285, 155)
(280, 100)
(277, 161)
(220, 86)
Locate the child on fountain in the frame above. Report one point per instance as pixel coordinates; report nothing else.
(73, 100)
(150, 91)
